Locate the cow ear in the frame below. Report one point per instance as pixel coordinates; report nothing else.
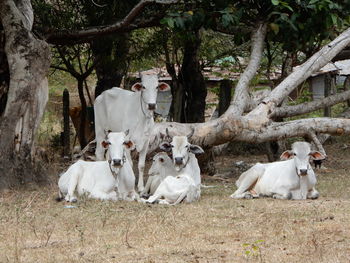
(165, 146)
(287, 155)
(317, 155)
(105, 144)
(163, 86)
(129, 144)
(137, 87)
(196, 149)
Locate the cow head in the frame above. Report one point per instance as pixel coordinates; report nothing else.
(161, 161)
(149, 87)
(180, 148)
(117, 143)
(301, 153)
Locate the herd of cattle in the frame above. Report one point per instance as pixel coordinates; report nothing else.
(174, 175)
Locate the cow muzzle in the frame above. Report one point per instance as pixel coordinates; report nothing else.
(151, 106)
(178, 160)
(303, 172)
(117, 162)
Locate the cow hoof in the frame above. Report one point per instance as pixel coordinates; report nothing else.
(248, 196)
(145, 196)
(313, 197)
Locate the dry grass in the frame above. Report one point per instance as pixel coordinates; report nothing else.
(34, 228)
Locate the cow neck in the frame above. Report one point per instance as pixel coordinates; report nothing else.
(115, 175)
(188, 159)
(143, 111)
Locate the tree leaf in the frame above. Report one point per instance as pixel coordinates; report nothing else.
(275, 28)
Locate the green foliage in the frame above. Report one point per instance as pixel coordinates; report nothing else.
(307, 22)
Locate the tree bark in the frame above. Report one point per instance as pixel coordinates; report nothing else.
(4, 73)
(29, 60)
(224, 95)
(66, 126)
(192, 79)
(111, 53)
(327, 92)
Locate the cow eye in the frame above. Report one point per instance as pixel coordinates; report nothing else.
(294, 154)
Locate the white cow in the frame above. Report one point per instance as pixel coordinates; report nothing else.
(292, 178)
(119, 110)
(162, 166)
(100, 179)
(186, 185)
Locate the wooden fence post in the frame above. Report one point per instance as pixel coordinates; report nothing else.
(224, 95)
(66, 128)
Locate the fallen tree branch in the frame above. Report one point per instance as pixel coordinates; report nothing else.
(290, 111)
(317, 61)
(296, 128)
(241, 96)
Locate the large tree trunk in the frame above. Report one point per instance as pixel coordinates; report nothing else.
(4, 73)
(193, 81)
(29, 60)
(111, 53)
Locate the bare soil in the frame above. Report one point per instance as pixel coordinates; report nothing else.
(35, 228)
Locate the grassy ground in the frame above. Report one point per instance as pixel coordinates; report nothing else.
(34, 228)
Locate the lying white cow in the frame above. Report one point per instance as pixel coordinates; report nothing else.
(162, 166)
(119, 110)
(289, 179)
(186, 185)
(100, 179)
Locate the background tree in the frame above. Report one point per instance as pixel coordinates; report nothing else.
(25, 83)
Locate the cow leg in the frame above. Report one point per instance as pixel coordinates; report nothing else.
(152, 199)
(246, 181)
(147, 186)
(181, 197)
(97, 194)
(99, 152)
(164, 202)
(141, 166)
(72, 185)
(283, 194)
(313, 194)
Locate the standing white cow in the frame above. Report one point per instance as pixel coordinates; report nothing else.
(186, 185)
(292, 178)
(119, 110)
(100, 179)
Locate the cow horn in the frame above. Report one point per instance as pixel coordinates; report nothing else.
(190, 134)
(126, 132)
